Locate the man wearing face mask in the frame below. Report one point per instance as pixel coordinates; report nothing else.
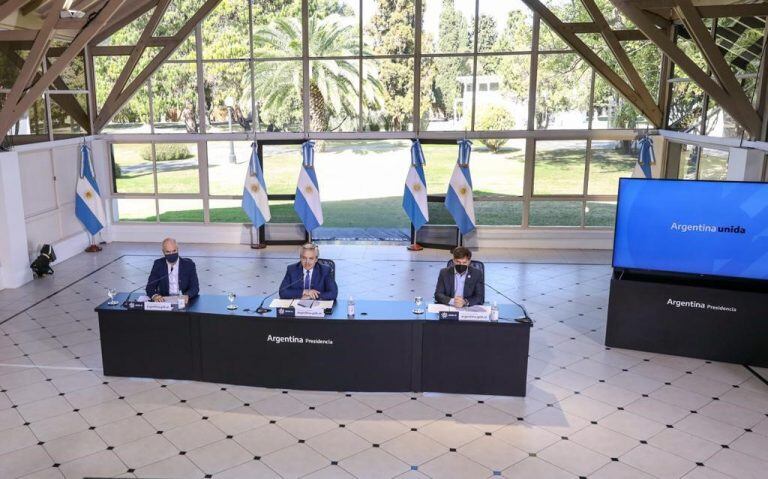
(460, 285)
(171, 275)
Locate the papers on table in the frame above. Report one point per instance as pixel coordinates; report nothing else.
(302, 303)
(471, 313)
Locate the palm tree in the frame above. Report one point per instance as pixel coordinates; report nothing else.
(333, 83)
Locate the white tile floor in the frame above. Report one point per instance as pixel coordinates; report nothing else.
(590, 412)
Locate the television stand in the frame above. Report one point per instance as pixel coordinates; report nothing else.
(706, 319)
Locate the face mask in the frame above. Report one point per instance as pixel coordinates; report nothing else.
(460, 268)
(172, 257)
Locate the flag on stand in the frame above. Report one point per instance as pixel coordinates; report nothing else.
(88, 206)
(255, 202)
(415, 194)
(307, 202)
(458, 200)
(646, 157)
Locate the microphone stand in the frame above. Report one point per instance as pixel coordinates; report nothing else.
(526, 318)
(261, 309)
(127, 299)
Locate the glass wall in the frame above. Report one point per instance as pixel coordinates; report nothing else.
(476, 69)
(474, 74)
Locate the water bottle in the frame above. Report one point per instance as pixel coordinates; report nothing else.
(494, 311)
(351, 307)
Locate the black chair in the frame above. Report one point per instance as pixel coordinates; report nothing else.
(331, 264)
(472, 263)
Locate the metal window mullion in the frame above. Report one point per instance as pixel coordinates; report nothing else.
(360, 66)
(255, 119)
(90, 86)
(202, 164)
(154, 177)
(591, 105)
(202, 150)
(418, 20)
(305, 63)
(585, 190)
(150, 96)
(202, 112)
(474, 66)
(530, 143)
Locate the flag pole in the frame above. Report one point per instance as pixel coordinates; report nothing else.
(93, 247)
(259, 244)
(414, 246)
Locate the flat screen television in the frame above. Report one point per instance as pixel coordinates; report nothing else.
(710, 228)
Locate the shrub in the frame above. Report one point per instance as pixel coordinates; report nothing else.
(116, 171)
(166, 152)
(494, 118)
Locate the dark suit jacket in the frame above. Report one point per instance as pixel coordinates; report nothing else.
(188, 283)
(474, 287)
(292, 286)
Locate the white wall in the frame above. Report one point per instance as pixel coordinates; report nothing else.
(14, 269)
(38, 204)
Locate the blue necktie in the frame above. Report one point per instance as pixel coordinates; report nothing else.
(306, 279)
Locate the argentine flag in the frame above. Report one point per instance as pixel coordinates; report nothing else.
(88, 206)
(307, 202)
(646, 157)
(458, 200)
(415, 195)
(255, 203)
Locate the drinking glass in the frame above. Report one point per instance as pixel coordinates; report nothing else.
(418, 307)
(231, 297)
(111, 292)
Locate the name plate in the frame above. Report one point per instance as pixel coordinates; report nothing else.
(474, 316)
(309, 312)
(448, 315)
(299, 312)
(157, 306)
(135, 305)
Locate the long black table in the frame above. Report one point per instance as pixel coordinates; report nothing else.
(385, 347)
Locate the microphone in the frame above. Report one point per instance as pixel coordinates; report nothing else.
(127, 299)
(261, 309)
(524, 319)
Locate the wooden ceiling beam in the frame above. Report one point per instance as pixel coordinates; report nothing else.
(591, 27)
(651, 111)
(34, 59)
(11, 112)
(129, 12)
(10, 6)
(18, 35)
(748, 119)
(110, 108)
(624, 61)
(137, 51)
(703, 39)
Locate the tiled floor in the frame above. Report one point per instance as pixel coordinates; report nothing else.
(590, 411)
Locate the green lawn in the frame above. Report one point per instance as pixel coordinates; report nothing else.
(361, 182)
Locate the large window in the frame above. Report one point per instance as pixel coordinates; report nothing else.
(476, 69)
(474, 74)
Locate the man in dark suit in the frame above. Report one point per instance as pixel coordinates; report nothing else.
(460, 285)
(308, 279)
(171, 275)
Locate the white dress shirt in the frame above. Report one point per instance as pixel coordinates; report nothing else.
(173, 278)
(458, 285)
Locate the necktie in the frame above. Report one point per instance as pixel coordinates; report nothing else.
(306, 279)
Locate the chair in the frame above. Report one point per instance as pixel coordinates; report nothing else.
(331, 264)
(473, 263)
